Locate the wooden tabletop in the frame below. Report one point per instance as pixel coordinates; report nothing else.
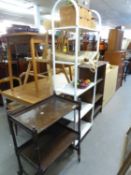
(24, 38)
(27, 93)
(42, 115)
(22, 34)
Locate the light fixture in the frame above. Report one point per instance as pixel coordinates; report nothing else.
(49, 17)
(8, 23)
(15, 8)
(18, 3)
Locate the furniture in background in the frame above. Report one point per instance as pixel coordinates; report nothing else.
(29, 71)
(117, 58)
(114, 54)
(50, 136)
(26, 38)
(110, 83)
(115, 39)
(27, 94)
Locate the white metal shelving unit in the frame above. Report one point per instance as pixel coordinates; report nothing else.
(69, 89)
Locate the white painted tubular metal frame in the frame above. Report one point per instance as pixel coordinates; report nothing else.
(76, 43)
(77, 28)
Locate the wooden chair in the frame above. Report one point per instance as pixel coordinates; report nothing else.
(29, 72)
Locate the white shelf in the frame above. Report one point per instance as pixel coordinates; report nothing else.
(89, 29)
(99, 80)
(68, 89)
(74, 27)
(85, 108)
(85, 127)
(64, 62)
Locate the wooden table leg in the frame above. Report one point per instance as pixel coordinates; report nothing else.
(70, 72)
(27, 73)
(49, 70)
(34, 64)
(10, 67)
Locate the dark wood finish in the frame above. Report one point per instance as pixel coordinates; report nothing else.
(50, 138)
(98, 97)
(97, 110)
(115, 57)
(99, 89)
(120, 75)
(86, 73)
(87, 96)
(51, 148)
(46, 114)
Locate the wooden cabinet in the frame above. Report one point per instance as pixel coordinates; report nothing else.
(100, 88)
(115, 39)
(110, 83)
(117, 58)
(114, 54)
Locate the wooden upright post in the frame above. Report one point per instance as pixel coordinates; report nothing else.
(10, 66)
(32, 44)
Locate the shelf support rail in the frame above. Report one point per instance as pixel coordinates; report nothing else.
(76, 45)
(99, 28)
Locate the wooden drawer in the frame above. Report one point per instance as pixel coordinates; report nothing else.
(68, 17)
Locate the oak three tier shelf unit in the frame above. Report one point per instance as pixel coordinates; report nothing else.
(87, 96)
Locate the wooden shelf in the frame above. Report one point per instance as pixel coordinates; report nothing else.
(97, 109)
(49, 111)
(69, 89)
(51, 148)
(86, 73)
(99, 80)
(98, 97)
(85, 108)
(85, 127)
(64, 62)
(50, 138)
(74, 27)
